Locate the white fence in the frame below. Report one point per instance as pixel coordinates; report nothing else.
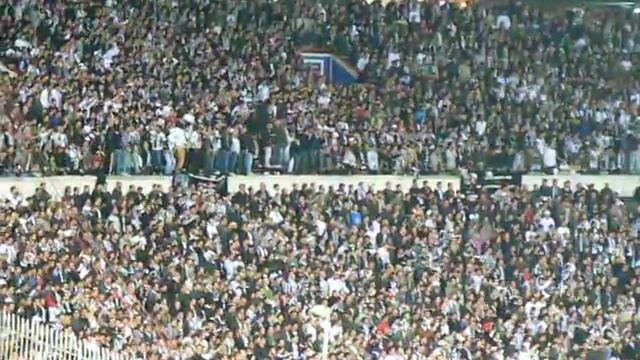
(26, 339)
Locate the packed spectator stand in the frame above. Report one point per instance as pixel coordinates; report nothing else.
(430, 273)
(207, 87)
(213, 86)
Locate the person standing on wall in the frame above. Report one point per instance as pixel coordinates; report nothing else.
(178, 141)
(248, 148)
(158, 142)
(281, 143)
(194, 145)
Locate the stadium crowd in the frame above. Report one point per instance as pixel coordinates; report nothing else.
(429, 273)
(202, 86)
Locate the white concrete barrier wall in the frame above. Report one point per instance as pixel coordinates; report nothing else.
(378, 182)
(624, 185)
(55, 185)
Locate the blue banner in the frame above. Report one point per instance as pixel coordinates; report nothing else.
(334, 69)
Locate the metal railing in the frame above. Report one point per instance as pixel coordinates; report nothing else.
(27, 339)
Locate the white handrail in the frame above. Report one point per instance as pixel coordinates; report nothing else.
(28, 339)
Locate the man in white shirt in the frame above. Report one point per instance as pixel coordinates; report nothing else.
(334, 285)
(549, 159)
(55, 98)
(230, 267)
(234, 150)
(59, 139)
(481, 127)
(275, 216)
(8, 252)
(178, 142)
(44, 98)
(415, 12)
(547, 222)
(392, 58)
(264, 92)
(363, 61)
(372, 160)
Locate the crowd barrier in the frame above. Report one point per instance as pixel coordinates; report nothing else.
(624, 185)
(26, 339)
(377, 182)
(55, 185)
